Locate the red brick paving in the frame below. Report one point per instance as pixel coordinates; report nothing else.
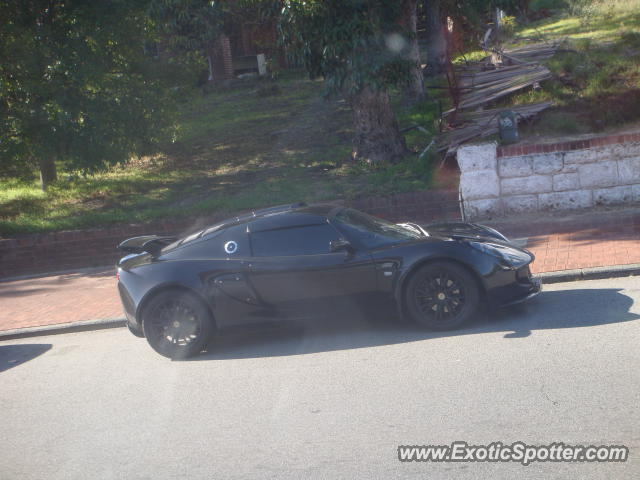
(596, 239)
(59, 299)
(566, 242)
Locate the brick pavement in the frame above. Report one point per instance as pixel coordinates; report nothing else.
(59, 299)
(559, 241)
(564, 241)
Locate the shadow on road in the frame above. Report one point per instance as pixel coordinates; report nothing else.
(14, 355)
(358, 329)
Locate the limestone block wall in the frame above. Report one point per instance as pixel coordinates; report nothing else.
(497, 181)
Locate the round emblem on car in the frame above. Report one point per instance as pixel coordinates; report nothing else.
(231, 247)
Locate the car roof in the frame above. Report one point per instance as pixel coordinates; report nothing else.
(271, 218)
(298, 216)
(285, 220)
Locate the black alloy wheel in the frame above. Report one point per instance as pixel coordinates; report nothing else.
(442, 296)
(177, 324)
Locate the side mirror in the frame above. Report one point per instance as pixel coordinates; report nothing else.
(340, 245)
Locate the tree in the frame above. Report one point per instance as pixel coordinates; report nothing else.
(436, 39)
(193, 25)
(75, 86)
(469, 17)
(415, 87)
(360, 48)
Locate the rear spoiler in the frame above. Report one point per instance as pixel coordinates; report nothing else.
(152, 244)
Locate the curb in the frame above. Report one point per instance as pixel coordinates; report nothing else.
(547, 278)
(594, 273)
(83, 326)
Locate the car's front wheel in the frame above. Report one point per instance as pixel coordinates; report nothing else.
(177, 324)
(442, 295)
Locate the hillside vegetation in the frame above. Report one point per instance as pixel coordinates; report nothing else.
(258, 143)
(596, 84)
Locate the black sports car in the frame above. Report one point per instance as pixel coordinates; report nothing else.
(296, 260)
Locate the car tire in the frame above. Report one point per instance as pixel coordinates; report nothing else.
(177, 324)
(441, 296)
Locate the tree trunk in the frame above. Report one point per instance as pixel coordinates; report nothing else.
(48, 172)
(378, 139)
(415, 88)
(437, 43)
(210, 63)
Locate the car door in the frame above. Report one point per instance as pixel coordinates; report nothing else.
(223, 270)
(294, 270)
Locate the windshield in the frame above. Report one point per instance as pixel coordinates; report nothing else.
(373, 232)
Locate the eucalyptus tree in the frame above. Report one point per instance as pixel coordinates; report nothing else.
(76, 88)
(414, 89)
(360, 47)
(471, 17)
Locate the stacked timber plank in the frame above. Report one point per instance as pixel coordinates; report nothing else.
(534, 53)
(483, 123)
(480, 83)
(483, 87)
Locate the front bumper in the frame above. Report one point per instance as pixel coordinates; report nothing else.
(508, 287)
(535, 289)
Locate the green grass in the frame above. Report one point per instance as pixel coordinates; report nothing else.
(596, 76)
(258, 143)
(241, 147)
(604, 20)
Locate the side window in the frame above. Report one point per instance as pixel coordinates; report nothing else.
(230, 242)
(284, 242)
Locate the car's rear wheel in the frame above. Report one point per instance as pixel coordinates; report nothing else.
(177, 324)
(442, 296)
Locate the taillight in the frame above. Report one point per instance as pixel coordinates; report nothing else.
(118, 275)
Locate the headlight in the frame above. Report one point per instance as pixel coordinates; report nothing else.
(510, 256)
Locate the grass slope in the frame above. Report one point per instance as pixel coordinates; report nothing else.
(251, 145)
(596, 84)
(258, 144)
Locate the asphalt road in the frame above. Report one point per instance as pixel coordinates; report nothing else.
(331, 400)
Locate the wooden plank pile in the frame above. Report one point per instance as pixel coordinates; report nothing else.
(482, 123)
(534, 53)
(479, 83)
(483, 87)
